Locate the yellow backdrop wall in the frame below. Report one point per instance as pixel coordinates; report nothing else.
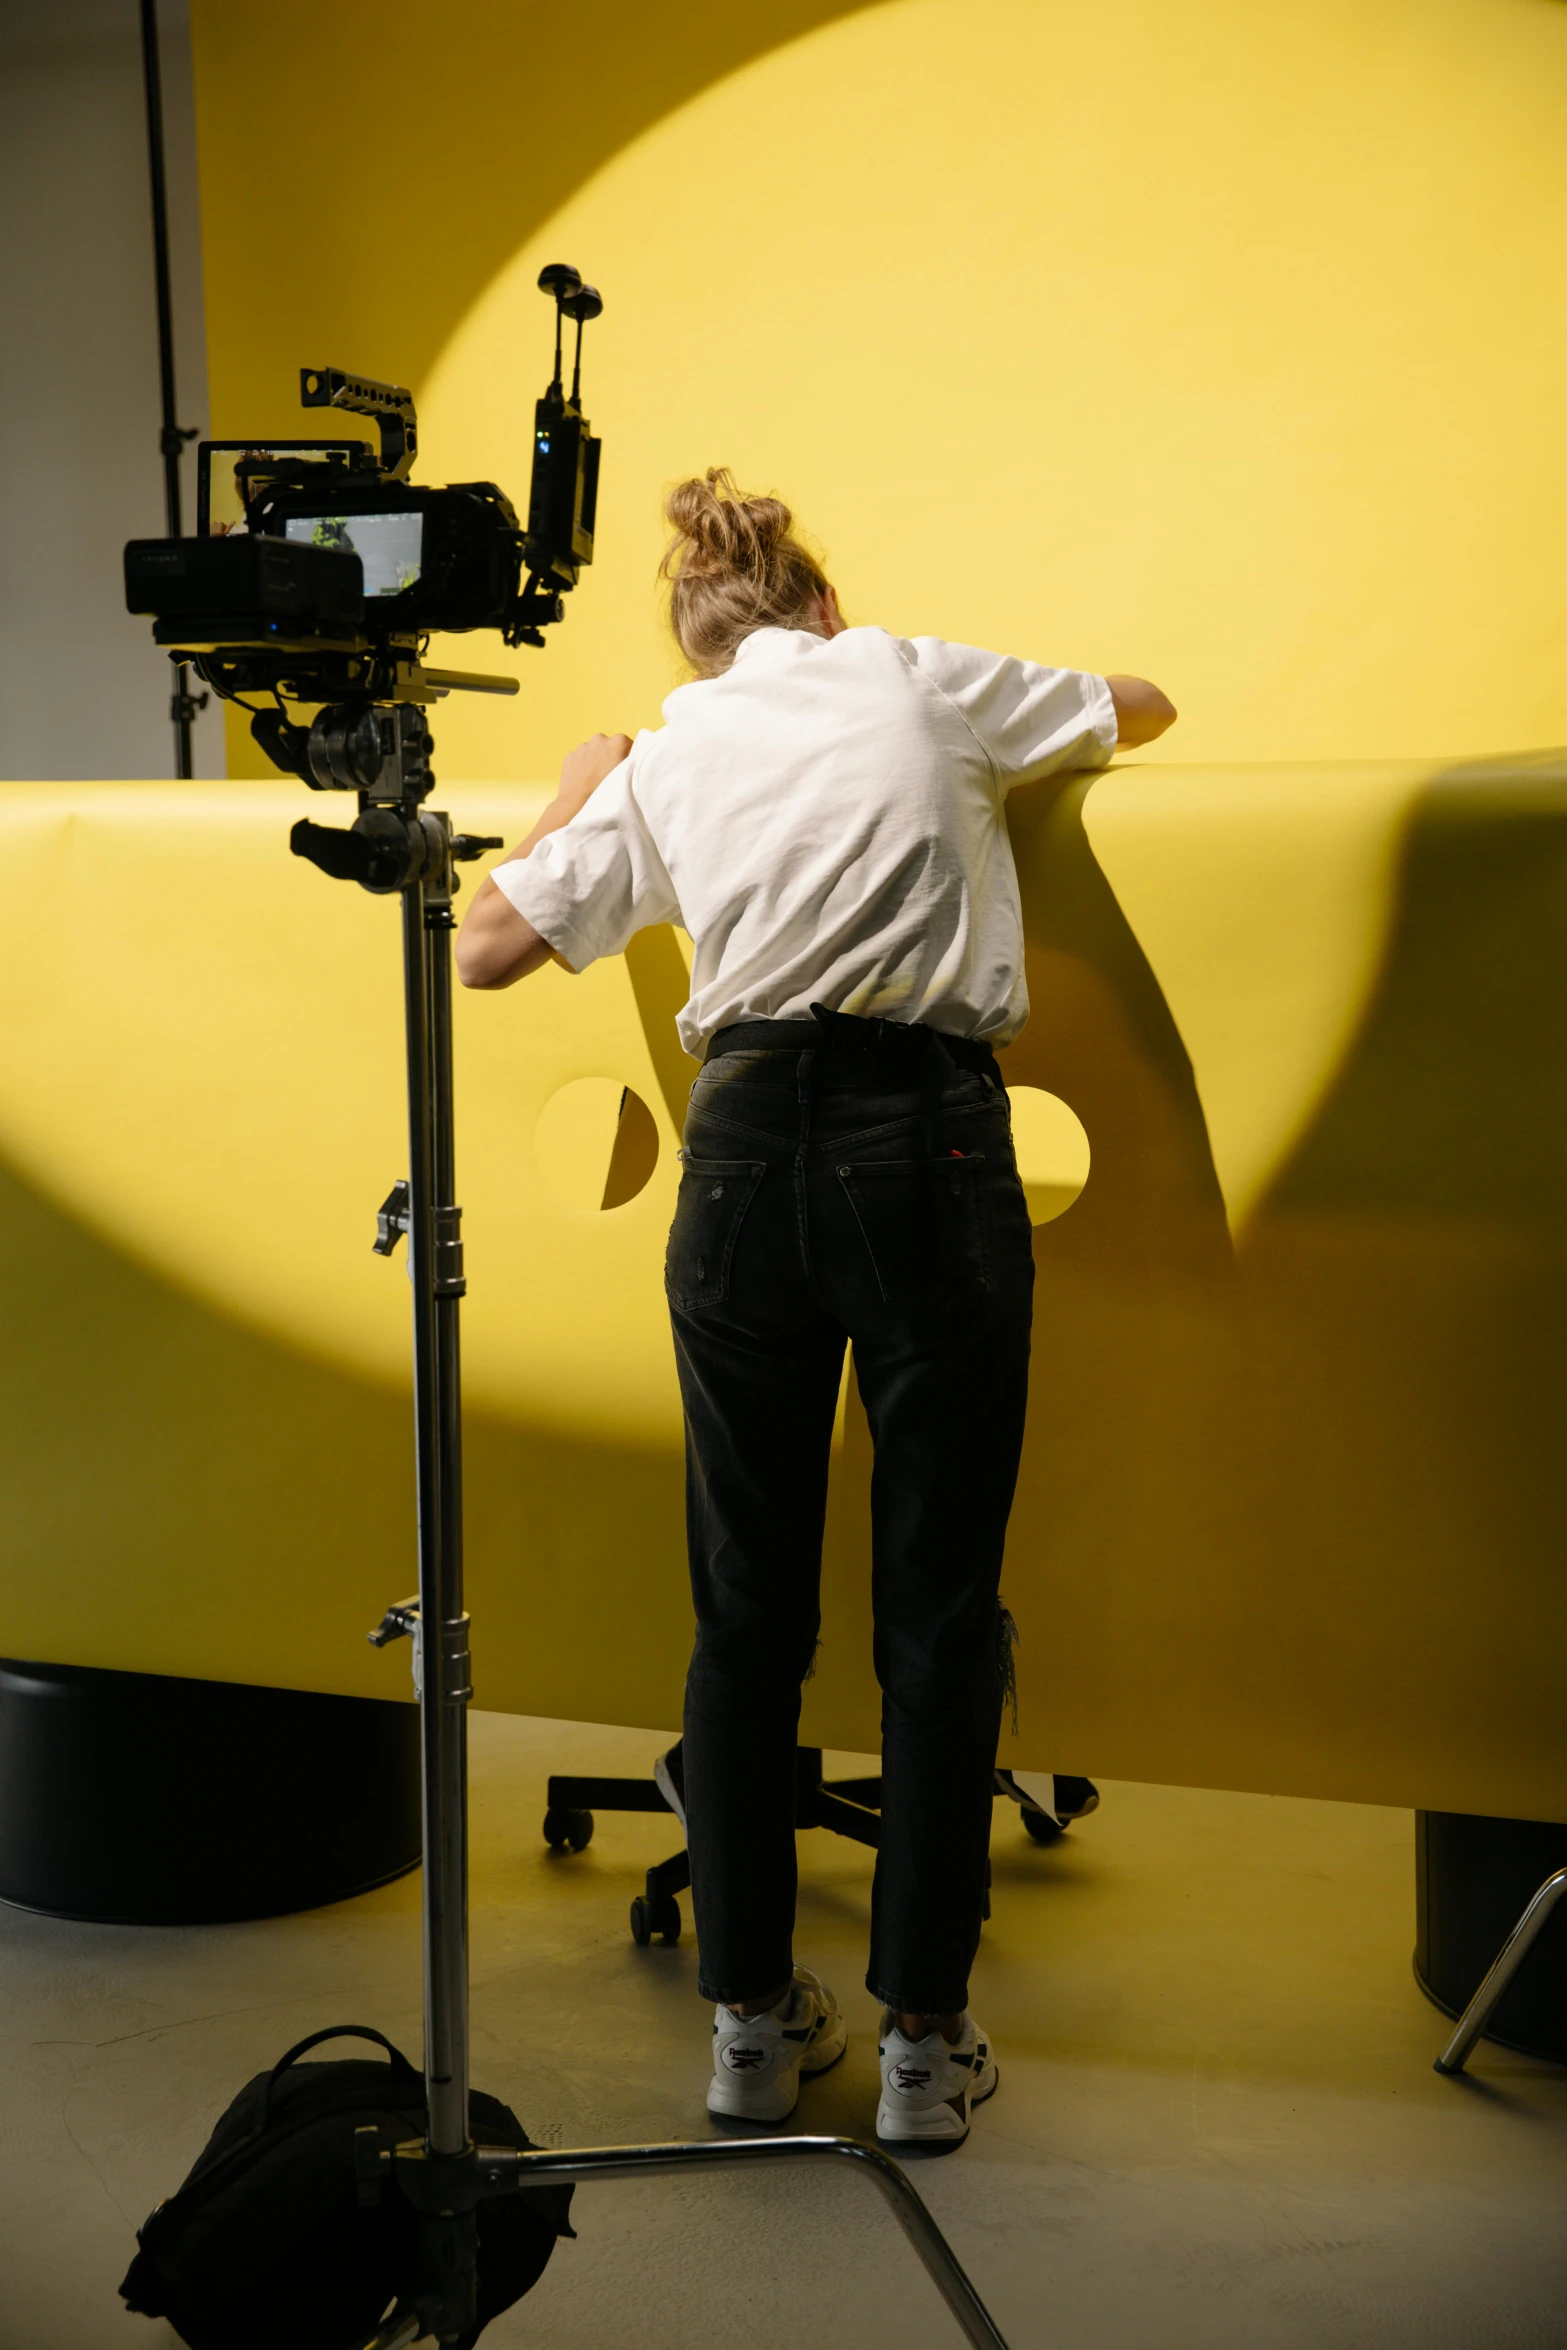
(1176, 335)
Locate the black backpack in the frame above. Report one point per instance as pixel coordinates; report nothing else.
(267, 2241)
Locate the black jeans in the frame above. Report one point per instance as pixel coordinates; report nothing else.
(832, 1195)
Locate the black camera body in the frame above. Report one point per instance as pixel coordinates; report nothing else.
(319, 570)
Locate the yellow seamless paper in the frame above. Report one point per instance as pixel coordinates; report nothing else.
(1257, 1489)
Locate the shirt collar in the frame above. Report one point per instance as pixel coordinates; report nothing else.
(775, 645)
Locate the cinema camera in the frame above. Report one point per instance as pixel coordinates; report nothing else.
(319, 572)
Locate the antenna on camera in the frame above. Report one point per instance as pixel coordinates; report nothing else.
(563, 496)
(587, 302)
(560, 281)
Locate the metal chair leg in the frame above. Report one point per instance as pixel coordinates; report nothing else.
(1509, 1959)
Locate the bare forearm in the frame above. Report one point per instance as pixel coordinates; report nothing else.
(1142, 712)
(496, 945)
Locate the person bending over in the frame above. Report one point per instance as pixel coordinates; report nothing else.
(823, 811)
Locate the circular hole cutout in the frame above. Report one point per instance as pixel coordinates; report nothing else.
(1052, 1151)
(596, 1144)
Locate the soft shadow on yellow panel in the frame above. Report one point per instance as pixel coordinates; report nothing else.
(1264, 913)
(1296, 1521)
(1271, 400)
(223, 1095)
(181, 1493)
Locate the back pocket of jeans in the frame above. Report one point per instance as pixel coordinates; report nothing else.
(714, 1195)
(922, 1223)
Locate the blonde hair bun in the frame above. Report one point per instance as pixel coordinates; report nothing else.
(719, 529)
(733, 565)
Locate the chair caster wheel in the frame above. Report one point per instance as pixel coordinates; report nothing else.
(1043, 1826)
(661, 1917)
(566, 1830)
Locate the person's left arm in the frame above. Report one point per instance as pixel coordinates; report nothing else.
(1142, 711)
(496, 945)
(1035, 721)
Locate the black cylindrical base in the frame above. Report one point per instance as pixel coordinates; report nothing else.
(1473, 1880)
(139, 1799)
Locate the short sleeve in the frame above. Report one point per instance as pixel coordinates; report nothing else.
(589, 887)
(1030, 720)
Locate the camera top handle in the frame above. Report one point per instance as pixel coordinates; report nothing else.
(390, 405)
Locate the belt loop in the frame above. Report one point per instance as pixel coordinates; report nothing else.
(936, 1066)
(805, 1095)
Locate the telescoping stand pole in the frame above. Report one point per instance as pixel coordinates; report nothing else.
(442, 2176)
(436, 1246)
(405, 847)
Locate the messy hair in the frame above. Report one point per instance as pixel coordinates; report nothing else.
(733, 565)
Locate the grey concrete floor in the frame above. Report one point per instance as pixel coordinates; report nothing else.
(1217, 2123)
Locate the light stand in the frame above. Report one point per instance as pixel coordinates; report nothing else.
(398, 846)
(172, 436)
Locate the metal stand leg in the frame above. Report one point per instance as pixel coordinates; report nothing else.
(1509, 1959)
(503, 2166)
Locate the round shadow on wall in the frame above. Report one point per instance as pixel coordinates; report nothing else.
(596, 1144)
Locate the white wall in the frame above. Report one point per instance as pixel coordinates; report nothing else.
(83, 692)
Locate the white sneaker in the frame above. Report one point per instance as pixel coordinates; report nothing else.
(758, 2060)
(927, 2086)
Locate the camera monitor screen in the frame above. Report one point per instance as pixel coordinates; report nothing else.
(390, 546)
(229, 471)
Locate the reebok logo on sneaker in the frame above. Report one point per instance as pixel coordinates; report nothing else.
(928, 2085)
(758, 2060)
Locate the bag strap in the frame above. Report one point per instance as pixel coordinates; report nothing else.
(399, 2062)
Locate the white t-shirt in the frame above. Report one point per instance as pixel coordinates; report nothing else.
(825, 819)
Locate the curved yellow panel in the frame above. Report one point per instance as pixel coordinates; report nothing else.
(205, 1057)
(1262, 1484)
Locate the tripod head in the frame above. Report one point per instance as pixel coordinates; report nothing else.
(382, 752)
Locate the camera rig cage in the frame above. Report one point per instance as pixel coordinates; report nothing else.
(319, 572)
